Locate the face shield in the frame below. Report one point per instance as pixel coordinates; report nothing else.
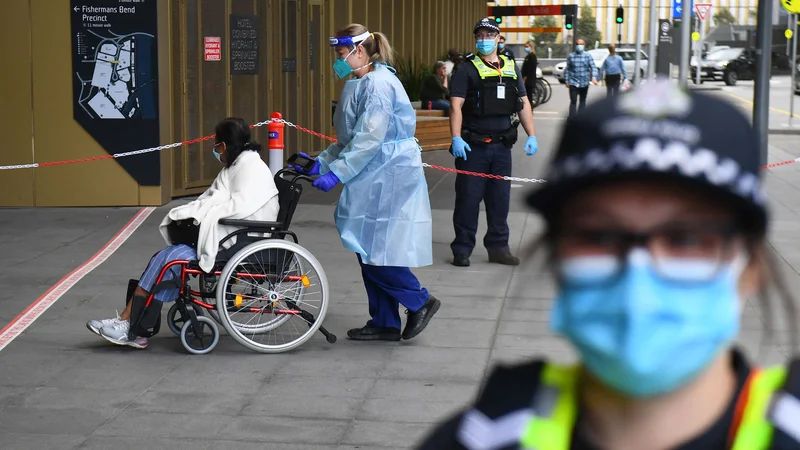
(342, 66)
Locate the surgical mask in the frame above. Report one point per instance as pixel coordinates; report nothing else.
(485, 46)
(342, 68)
(641, 334)
(501, 45)
(579, 48)
(216, 154)
(527, 49)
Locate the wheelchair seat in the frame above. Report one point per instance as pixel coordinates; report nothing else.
(289, 193)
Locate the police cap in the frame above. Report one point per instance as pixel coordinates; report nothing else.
(486, 23)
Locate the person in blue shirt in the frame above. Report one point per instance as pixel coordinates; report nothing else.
(579, 72)
(614, 69)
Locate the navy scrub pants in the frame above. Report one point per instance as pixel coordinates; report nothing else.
(493, 158)
(389, 287)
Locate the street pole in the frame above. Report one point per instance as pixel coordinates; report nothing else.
(686, 36)
(763, 63)
(651, 46)
(793, 18)
(639, 28)
(697, 61)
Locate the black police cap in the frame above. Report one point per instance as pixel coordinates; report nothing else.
(660, 131)
(486, 23)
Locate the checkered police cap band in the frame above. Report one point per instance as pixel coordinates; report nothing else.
(486, 23)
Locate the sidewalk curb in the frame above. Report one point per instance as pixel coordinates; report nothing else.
(784, 131)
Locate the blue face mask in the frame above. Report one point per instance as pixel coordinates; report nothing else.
(579, 48)
(342, 68)
(216, 154)
(501, 45)
(643, 335)
(485, 46)
(527, 49)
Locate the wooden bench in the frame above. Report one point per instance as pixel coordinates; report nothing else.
(433, 132)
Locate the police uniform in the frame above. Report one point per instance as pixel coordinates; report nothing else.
(491, 96)
(547, 422)
(659, 132)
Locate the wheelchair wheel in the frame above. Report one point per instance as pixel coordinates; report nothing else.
(201, 340)
(175, 318)
(280, 313)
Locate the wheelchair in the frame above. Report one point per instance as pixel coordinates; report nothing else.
(262, 276)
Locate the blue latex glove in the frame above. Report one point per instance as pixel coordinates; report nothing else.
(531, 146)
(460, 148)
(326, 182)
(314, 170)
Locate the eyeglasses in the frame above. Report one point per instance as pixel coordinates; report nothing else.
(682, 253)
(480, 36)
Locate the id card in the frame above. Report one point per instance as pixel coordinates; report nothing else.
(501, 91)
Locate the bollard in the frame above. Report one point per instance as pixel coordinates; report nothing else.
(275, 143)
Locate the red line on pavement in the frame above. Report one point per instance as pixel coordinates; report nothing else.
(48, 299)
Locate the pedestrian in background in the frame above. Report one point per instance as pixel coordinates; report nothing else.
(579, 73)
(529, 69)
(614, 70)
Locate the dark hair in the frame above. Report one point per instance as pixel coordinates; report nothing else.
(235, 133)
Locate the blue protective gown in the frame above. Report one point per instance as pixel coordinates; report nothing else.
(384, 213)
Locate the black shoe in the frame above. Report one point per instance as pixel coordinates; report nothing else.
(417, 321)
(461, 260)
(368, 333)
(506, 259)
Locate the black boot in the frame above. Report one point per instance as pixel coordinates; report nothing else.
(368, 333)
(461, 260)
(418, 320)
(504, 258)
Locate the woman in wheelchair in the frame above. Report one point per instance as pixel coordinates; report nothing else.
(243, 189)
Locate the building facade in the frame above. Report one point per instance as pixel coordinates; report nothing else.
(92, 78)
(604, 11)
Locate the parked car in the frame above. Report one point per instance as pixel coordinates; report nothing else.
(734, 64)
(797, 79)
(599, 56)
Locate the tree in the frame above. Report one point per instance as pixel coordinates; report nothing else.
(587, 26)
(545, 21)
(724, 16)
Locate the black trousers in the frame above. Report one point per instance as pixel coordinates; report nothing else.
(493, 158)
(576, 93)
(612, 84)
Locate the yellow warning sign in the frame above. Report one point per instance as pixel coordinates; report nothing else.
(793, 6)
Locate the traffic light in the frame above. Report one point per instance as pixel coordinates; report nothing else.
(568, 23)
(498, 20)
(620, 14)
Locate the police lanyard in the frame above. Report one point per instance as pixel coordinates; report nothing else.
(498, 68)
(501, 87)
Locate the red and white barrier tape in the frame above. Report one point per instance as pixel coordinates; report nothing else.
(305, 130)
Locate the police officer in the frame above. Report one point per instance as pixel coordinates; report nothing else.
(503, 51)
(484, 93)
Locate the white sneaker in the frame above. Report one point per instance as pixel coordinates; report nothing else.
(95, 325)
(117, 333)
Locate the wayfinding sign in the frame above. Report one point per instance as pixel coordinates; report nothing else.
(115, 78)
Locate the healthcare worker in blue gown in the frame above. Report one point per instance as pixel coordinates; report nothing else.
(384, 214)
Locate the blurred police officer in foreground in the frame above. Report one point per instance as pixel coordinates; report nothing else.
(484, 93)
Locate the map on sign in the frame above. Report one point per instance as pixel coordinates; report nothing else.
(702, 10)
(116, 69)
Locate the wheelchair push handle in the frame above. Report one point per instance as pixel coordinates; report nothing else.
(295, 175)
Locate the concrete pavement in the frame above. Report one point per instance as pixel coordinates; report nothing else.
(62, 387)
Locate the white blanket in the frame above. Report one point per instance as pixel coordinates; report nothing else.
(246, 190)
